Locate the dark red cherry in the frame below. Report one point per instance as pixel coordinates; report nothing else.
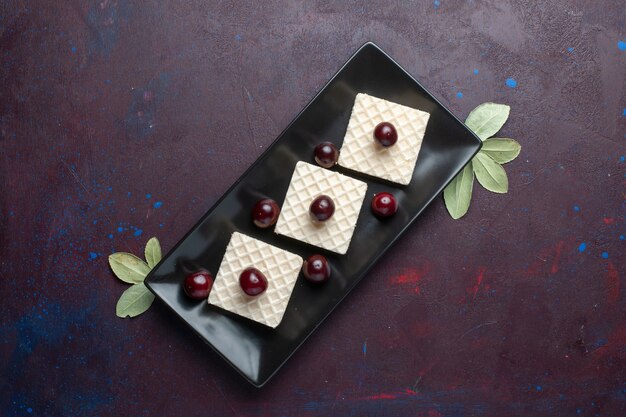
(322, 208)
(326, 154)
(265, 213)
(385, 133)
(384, 204)
(316, 269)
(252, 282)
(198, 284)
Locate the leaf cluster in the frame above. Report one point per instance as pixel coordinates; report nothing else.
(485, 121)
(133, 270)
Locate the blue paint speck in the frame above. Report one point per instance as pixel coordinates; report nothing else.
(459, 95)
(570, 49)
(138, 232)
(621, 237)
(621, 158)
(161, 225)
(621, 45)
(437, 3)
(624, 112)
(538, 388)
(576, 209)
(582, 247)
(605, 255)
(510, 82)
(29, 410)
(148, 195)
(129, 193)
(109, 188)
(95, 222)
(238, 37)
(120, 229)
(73, 49)
(578, 411)
(110, 236)
(158, 204)
(476, 72)
(364, 347)
(108, 81)
(92, 256)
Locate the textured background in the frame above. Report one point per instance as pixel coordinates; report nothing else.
(120, 120)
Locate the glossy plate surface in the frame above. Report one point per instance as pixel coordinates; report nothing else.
(254, 350)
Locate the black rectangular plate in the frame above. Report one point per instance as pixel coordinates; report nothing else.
(254, 350)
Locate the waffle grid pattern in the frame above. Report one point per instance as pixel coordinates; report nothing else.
(281, 268)
(361, 153)
(308, 182)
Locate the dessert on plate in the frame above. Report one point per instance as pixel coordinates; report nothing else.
(321, 208)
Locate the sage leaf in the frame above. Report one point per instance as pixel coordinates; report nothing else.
(134, 301)
(501, 150)
(486, 119)
(458, 194)
(128, 267)
(153, 252)
(490, 174)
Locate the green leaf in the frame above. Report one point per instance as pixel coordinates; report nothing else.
(458, 194)
(490, 174)
(153, 252)
(501, 150)
(486, 119)
(134, 301)
(128, 267)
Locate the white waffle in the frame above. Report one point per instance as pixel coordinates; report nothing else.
(308, 182)
(281, 268)
(360, 152)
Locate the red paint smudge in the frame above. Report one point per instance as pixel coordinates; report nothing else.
(479, 279)
(555, 264)
(421, 329)
(427, 367)
(618, 337)
(389, 396)
(381, 396)
(480, 343)
(608, 220)
(540, 261)
(549, 256)
(411, 278)
(613, 283)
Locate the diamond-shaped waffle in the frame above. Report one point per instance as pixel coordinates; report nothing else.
(281, 268)
(309, 181)
(360, 152)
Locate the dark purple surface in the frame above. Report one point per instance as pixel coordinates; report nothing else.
(122, 120)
